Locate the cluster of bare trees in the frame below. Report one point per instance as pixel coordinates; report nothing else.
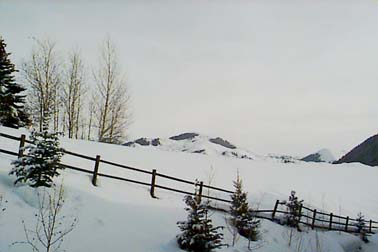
(94, 107)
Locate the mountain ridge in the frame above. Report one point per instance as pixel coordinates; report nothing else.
(192, 142)
(365, 153)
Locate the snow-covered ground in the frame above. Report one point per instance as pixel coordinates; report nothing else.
(119, 216)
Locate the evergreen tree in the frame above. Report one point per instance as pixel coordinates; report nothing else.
(198, 233)
(12, 111)
(241, 217)
(361, 227)
(42, 161)
(294, 210)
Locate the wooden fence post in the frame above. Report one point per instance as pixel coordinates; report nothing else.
(346, 224)
(22, 144)
(153, 179)
(370, 224)
(95, 172)
(330, 221)
(300, 212)
(313, 220)
(275, 209)
(200, 191)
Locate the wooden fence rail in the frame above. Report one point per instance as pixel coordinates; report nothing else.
(328, 221)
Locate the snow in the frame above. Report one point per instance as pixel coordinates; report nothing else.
(326, 155)
(120, 216)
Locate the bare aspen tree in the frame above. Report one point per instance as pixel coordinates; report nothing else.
(42, 76)
(111, 98)
(72, 95)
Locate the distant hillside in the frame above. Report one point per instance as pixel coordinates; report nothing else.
(365, 153)
(323, 155)
(193, 143)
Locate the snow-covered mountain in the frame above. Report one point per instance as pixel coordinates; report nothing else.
(365, 153)
(194, 143)
(323, 155)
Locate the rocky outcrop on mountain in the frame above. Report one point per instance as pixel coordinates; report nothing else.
(315, 157)
(184, 136)
(283, 158)
(222, 142)
(365, 153)
(143, 142)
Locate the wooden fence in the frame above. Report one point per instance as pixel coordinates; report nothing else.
(96, 172)
(307, 216)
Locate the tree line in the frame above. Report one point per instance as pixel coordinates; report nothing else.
(57, 93)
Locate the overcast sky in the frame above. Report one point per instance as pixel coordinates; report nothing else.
(286, 77)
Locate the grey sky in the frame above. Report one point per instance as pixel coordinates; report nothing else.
(273, 76)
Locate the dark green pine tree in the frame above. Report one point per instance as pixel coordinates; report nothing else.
(241, 217)
(42, 162)
(12, 102)
(361, 227)
(198, 233)
(294, 210)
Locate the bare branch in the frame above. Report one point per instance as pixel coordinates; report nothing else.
(51, 227)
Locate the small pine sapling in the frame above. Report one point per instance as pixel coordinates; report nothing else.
(361, 227)
(42, 162)
(241, 217)
(198, 233)
(294, 210)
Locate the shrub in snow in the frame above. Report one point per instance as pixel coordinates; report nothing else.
(241, 217)
(12, 111)
(42, 161)
(51, 225)
(198, 233)
(361, 227)
(294, 210)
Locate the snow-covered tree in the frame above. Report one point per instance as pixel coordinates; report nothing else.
(198, 233)
(294, 207)
(361, 227)
(42, 161)
(241, 217)
(12, 109)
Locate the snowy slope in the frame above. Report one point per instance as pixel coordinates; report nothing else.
(119, 216)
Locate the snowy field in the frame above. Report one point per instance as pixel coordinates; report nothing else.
(119, 216)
